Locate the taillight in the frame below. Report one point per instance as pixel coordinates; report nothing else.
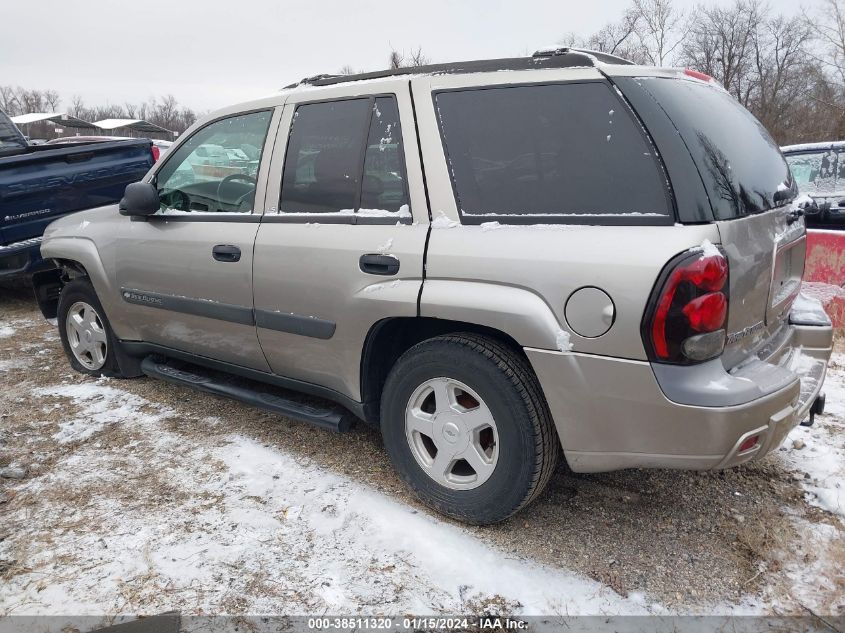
(697, 74)
(685, 322)
(156, 154)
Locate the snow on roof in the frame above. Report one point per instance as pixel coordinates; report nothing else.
(59, 118)
(138, 125)
(809, 147)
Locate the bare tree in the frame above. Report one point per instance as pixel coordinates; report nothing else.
(415, 58)
(659, 28)
(52, 99)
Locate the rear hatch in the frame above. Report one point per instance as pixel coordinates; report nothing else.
(751, 191)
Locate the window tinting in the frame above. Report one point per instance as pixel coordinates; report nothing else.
(545, 150)
(329, 169)
(215, 170)
(741, 166)
(383, 186)
(323, 162)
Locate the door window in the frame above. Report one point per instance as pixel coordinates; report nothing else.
(345, 157)
(215, 170)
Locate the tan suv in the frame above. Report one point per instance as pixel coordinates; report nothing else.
(490, 260)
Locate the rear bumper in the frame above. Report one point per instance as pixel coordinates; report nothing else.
(20, 258)
(612, 413)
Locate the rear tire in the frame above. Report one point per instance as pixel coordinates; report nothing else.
(477, 405)
(87, 337)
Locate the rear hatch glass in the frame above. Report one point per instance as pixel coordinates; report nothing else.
(750, 187)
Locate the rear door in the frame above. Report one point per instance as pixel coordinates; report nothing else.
(750, 189)
(342, 239)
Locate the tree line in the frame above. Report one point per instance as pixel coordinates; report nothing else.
(163, 111)
(788, 70)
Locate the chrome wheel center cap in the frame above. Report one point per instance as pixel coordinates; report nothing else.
(451, 432)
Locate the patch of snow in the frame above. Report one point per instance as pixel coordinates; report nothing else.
(386, 246)
(374, 288)
(490, 226)
(709, 250)
(823, 453)
(563, 341)
(808, 310)
(6, 331)
(258, 527)
(101, 406)
(442, 222)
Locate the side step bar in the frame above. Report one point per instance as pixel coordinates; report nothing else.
(333, 419)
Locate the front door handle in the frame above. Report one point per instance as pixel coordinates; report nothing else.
(226, 253)
(374, 264)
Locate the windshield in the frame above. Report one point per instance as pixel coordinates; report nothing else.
(819, 173)
(741, 166)
(11, 140)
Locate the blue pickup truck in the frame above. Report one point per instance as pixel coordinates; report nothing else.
(41, 183)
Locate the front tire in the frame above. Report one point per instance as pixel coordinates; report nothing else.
(87, 338)
(466, 425)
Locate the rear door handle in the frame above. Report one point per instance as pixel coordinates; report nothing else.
(226, 253)
(374, 264)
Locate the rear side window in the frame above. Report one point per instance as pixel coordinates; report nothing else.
(741, 166)
(11, 140)
(553, 150)
(345, 156)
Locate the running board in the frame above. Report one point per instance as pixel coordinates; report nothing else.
(333, 419)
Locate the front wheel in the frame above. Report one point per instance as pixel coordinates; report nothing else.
(85, 332)
(466, 425)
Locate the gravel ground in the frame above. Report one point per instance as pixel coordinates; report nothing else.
(686, 541)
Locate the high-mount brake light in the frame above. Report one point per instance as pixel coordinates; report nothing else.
(689, 309)
(695, 74)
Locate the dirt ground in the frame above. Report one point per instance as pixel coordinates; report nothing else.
(684, 540)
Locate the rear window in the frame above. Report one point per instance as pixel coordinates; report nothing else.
(741, 166)
(552, 150)
(11, 140)
(820, 173)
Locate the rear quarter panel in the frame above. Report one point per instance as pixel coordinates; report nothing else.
(517, 279)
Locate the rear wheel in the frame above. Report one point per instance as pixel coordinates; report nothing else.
(85, 332)
(465, 423)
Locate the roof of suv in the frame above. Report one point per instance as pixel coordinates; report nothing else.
(563, 57)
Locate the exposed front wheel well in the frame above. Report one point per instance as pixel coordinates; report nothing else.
(388, 339)
(48, 284)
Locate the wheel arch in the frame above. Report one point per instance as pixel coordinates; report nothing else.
(389, 338)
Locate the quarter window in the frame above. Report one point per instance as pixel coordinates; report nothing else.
(216, 170)
(344, 156)
(561, 149)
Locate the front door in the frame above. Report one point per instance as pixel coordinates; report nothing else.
(185, 274)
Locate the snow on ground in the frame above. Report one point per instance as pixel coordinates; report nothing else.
(253, 530)
(815, 565)
(823, 455)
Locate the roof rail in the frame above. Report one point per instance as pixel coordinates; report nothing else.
(563, 57)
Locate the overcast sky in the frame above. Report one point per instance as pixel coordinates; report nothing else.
(210, 53)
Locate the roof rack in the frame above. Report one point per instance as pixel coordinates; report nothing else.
(563, 57)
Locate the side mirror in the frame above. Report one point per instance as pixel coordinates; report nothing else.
(140, 198)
